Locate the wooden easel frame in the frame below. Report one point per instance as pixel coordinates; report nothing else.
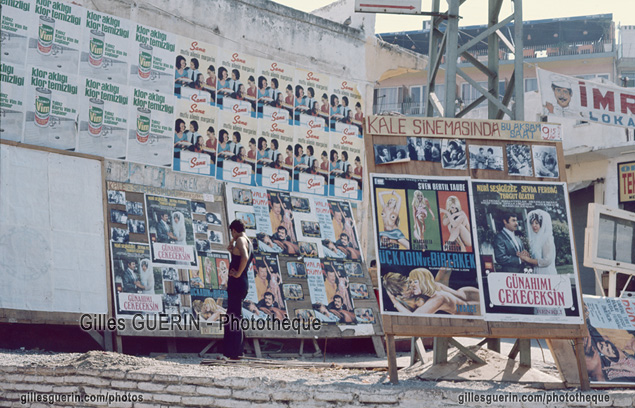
(395, 131)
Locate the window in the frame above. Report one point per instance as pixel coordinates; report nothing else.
(591, 77)
(627, 78)
(417, 96)
(531, 84)
(469, 94)
(388, 99)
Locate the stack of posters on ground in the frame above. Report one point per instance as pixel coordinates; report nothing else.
(424, 240)
(308, 263)
(434, 234)
(609, 348)
(167, 256)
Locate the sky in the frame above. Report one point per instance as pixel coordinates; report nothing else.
(474, 12)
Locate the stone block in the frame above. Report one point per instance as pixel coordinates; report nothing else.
(181, 389)
(166, 398)
(290, 396)
(258, 396)
(124, 385)
(152, 387)
(213, 391)
(333, 396)
(378, 398)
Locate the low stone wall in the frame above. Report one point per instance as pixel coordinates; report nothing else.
(20, 386)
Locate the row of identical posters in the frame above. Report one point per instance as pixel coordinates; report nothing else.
(312, 239)
(76, 79)
(462, 248)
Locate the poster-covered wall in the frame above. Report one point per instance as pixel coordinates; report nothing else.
(168, 253)
(308, 262)
(168, 257)
(81, 80)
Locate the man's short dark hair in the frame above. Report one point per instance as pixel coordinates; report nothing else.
(281, 228)
(338, 296)
(267, 294)
(506, 215)
(238, 226)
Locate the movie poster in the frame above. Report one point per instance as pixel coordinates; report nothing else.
(264, 300)
(609, 347)
(15, 25)
(424, 239)
(346, 106)
(208, 286)
(311, 159)
(170, 231)
(151, 56)
(328, 290)
(134, 279)
(12, 99)
(528, 272)
(195, 71)
(150, 127)
(52, 105)
(55, 33)
(273, 86)
(346, 171)
(195, 140)
(103, 118)
(273, 149)
(232, 161)
(234, 71)
(105, 44)
(311, 98)
(339, 236)
(268, 217)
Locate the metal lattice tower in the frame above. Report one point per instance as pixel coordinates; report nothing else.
(446, 43)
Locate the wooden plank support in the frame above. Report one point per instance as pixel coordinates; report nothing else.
(209, 346)
(440, 353)
(257, 348)
(514, 351)
(413, 351)
(417, 350)
(97, 337)
(469, 353)
(392, 359)
(494, 344)
(581, 360)
(119, 344)
(171, 345)
(108, 346)
(525, 352)
(378, 344)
